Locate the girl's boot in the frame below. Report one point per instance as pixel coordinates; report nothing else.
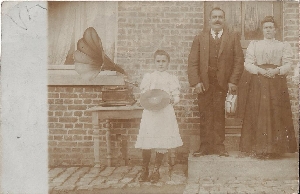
(155, 176)
(145, 167)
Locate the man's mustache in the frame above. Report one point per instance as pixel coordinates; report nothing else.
(217, 22)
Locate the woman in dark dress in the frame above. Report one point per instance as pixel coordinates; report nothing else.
(264, 103)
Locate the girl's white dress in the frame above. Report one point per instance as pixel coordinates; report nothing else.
(159, 129)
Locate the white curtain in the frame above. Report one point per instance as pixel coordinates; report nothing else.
(103, 17)
(67, 22)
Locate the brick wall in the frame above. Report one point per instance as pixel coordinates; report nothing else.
(291, 35)
(70, 128)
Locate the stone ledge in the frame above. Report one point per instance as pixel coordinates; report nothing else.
(64, 75)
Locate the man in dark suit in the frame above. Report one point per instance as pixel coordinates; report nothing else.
(215, 65)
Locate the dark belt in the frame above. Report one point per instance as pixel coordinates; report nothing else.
(268, 66)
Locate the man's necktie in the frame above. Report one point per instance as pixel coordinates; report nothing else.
(217, 36)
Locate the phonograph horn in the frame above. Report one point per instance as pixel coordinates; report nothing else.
(110, 65)
(92, 39)
(85, 48)
(90, 51)
(80, 57)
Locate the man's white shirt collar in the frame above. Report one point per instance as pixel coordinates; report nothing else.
(213, 33)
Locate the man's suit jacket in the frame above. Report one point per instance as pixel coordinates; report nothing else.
(230, 59)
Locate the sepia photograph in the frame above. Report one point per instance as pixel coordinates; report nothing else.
(150, 97)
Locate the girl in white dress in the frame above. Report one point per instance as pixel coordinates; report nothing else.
(158, 129)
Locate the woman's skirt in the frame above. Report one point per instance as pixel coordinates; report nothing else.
(159, 129)
(268, 124)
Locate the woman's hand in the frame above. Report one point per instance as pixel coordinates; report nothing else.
(269, 73)
(262, 71)
(272, 72)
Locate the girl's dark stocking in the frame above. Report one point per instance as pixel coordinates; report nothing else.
(146, 154)
(158, 160)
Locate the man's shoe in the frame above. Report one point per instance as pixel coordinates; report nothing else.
(200, 153)
(223, 153)
(155, 176)
(144, 175)
(251, 154)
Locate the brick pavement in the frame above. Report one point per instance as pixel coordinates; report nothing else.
(237, 185)
(240, 174)
(84, 179)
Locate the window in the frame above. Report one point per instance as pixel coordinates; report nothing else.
(67, 22)
(245, 17)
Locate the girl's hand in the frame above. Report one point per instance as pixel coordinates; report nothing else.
(144, 91)
(175, 100)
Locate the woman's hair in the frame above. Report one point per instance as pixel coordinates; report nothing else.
(269, 19)
(162, 52)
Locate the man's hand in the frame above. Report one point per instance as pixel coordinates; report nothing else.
(232, 88)
(199, 88)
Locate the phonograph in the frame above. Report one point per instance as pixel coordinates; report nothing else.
(91, 60)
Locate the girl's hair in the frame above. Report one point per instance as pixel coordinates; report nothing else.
(162, 52)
